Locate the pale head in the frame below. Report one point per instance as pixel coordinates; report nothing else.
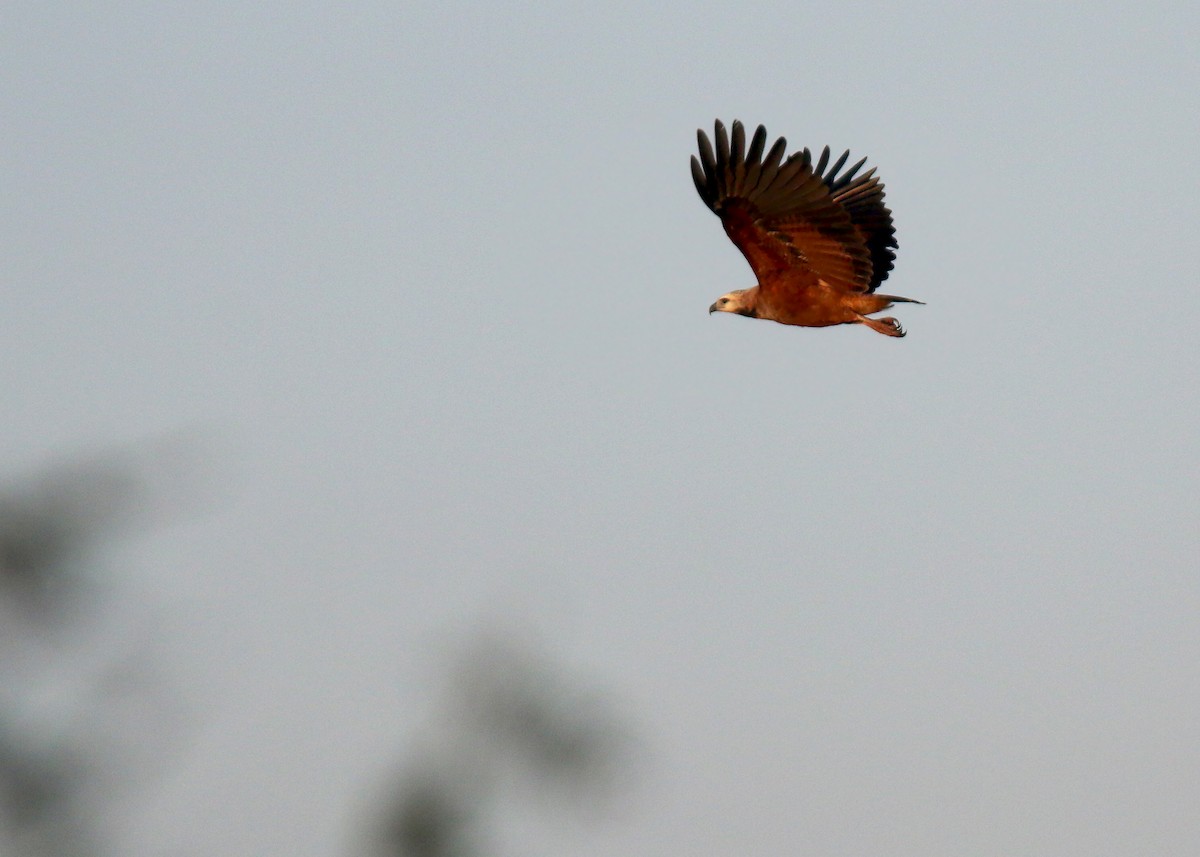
(741, 302)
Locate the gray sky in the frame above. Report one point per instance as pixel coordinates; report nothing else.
(437, 280)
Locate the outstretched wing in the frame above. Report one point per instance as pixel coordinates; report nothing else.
(779, 213)
(862, 198)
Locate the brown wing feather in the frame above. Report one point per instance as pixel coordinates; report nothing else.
(780, 213)
(862, 198)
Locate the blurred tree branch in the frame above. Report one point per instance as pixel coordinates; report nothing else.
(512, 717)
(63, 705)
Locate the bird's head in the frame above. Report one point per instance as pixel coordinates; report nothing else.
(741, 302)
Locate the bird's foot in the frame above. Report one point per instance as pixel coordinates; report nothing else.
(887, 326)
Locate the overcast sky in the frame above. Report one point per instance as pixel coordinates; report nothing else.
(428, 284)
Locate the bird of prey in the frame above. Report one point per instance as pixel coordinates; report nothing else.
(818, 242)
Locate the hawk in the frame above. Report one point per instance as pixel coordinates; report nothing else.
(818, 242)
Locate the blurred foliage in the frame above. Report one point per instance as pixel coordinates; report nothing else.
(512, 724)
(83, 711)
(429, 818)
(539, 715)
(49, 526)
(70, 687)
(39, 801)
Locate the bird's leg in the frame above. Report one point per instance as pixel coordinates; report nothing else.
(887, 326)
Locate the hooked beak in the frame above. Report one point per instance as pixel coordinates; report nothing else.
(712, 309)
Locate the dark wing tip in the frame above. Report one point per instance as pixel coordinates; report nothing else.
(721, 140)
(737, 148)
(707, 158)
(838, 163)
(756, 146)
(820, 167)
(699, 177)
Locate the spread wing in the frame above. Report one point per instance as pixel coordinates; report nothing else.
(781, 214)
(862, 198)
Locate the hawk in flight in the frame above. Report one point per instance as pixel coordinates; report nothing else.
(819, 243)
